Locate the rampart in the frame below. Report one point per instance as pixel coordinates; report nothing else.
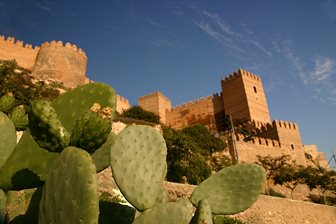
(205, 110)
(24, 54)
(244, 97)
(66, 63)
(248, 151)
(157, 103)
(122, 104)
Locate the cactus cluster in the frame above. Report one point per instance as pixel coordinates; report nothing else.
(69, 140)
(18, 114)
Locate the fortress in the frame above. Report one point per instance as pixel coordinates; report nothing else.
(242, 97)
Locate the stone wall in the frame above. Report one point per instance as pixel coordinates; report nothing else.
(244, 97)
(122, 104)
(66, 63)
(200, 111)
(248, 151)
(156, 103)
(25, 55)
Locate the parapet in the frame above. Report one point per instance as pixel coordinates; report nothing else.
(154, 94)
(19, 43)
(240, 72)
(192, 103)
(55, 43)
(285, 124)
(122, 99)
(260, 141)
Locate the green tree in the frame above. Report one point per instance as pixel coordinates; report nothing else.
(136, 112)
(272, 165)
(321, 179)
(184, 160)
(290, 175)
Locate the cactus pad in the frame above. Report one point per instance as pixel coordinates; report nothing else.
(70, 192)
(7, 102)
(7, 138)
(3, 202)
(101, 157)
(19, 118)
(27, 166)
(46, 128)
(92, 128)
(179, 212)
(138, 162)
(203, 213)
(72, 104)
(232, 189)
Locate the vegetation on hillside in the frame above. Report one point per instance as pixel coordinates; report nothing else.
(18, 88)
(282, 171)
(136, 112)
(189, 153)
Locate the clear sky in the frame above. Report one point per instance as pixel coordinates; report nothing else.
(184, 48)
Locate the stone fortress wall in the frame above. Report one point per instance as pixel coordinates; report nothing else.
(243, 98)
(24, 54)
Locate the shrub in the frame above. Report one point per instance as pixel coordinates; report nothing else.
(136, 112)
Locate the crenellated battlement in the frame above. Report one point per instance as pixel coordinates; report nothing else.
(260, 141)
(59, 43)
(240, 72)
(122, 99)
(154, 94)
(18, 43)
(285, 124)
(193, 103)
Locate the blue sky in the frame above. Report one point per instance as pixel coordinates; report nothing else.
(184, 48)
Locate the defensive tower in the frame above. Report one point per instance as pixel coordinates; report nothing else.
(62, 62)
(244, 97)
(157, 103)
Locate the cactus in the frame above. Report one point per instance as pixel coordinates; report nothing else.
(70, 191)
(232, 189)
(92, 128)
(72, 104)
(139, 179)
(19, 118)
(3, 211)
(179, 212)
(203, 213)
(27, 166)
(7, 102)
(101, 157)
(22, 206)
(7, 138)
(46, 128)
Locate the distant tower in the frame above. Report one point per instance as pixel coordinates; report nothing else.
(66, 63)
(244, 97)
(157, 103)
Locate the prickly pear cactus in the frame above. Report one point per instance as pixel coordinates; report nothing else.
(70, 192)
(3, 202)
(72, 104)
(203, 213)
(101, 157)
(7, 138)
(138, 162)
(19, 118)
(7, 102)
(92, 128)
(232, 189)
(179, 212)
(46, 128)
(27, 166)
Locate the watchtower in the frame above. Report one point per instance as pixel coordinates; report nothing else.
(157, 103)
(244, 97)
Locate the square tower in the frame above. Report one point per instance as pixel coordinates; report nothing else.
(157, 103)
(244, 97)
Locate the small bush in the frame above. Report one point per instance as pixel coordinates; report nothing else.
(274, 193)
(226, 220)
(136, 112)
